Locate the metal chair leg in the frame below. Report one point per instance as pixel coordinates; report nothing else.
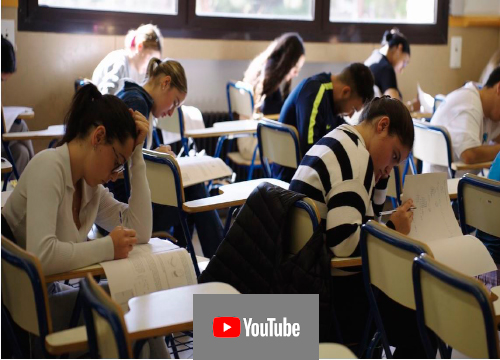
(189, 244)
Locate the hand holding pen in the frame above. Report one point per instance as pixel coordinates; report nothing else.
(402, 217)
(123, 240)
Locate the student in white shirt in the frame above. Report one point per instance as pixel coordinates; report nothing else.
(60, 195)
(129, 63)
(472, 117)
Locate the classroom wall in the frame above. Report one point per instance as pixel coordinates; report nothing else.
(48, 63)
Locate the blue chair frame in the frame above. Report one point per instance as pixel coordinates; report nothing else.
(182, 214)
(460, 197)
(374, 311)
(231, 84)
(276, 126)
(422, 263)
(36, 283)
(448, 145)
(221, 139)
(91, 302)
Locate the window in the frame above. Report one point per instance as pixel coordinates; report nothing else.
(258, 9)
(383, 11)
(422, 21)
(132, 6)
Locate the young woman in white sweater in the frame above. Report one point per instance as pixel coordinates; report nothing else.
(60, 196)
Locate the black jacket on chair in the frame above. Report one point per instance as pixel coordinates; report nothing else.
(252, 256)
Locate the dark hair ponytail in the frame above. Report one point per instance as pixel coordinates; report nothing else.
(90, 108)
(394, 38)
(401, 123)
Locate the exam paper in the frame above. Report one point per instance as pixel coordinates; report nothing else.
(198, 169)
(434, 223)
(426, 101)
(158, 265)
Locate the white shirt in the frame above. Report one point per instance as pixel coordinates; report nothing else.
(111, 73)
(462, 115)
(39, 212)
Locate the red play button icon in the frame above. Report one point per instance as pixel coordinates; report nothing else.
(226, 327)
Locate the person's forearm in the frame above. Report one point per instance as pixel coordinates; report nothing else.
(480, 154)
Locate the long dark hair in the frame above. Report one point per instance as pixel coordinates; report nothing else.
(401, 123)
(8, 57)
(394, 38)
(268, 70)
(90, 108)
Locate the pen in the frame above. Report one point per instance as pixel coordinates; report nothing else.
(392, 211)
(121, 221)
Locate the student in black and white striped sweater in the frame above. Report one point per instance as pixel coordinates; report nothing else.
(340, 173)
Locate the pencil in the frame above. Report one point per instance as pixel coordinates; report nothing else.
(388, 212)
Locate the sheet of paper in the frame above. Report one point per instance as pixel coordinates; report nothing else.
(12, 112)
(198, 169)
(465, 253)
(433, 217)
(156, 266)
(426, 100)
(434, 223)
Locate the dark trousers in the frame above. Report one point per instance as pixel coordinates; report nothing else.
(352, 309)
(208, 223)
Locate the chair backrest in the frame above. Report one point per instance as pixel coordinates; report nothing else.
(335, 351)
(106, 330)
(172, 127)
(24, 293)
(479, 204)
(278, 143)
(240, 99)
(164, 178)
(432, 144)
(456, 307)
(387, 258)
(303, 219)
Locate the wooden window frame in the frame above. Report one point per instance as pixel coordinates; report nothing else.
(186, 24)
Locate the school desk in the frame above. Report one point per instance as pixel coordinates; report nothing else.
(27, 115)
(52, 132)
(168, 311)
(459, 165)
(6, 166)
(97, 270)
(225, 128)
(231, 195)
(156, 314)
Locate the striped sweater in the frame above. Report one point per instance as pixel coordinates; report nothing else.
(337, 173)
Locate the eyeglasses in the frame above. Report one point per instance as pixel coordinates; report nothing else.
(120, 167)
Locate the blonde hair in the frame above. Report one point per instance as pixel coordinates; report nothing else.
(148, 35)
(172, 68)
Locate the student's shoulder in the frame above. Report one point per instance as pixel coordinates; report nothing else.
(311, 86)
(49, 162)
(465, 100)
(115, 58)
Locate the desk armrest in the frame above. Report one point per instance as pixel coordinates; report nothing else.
(459, 165)
(338, 263)
(67, 341)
